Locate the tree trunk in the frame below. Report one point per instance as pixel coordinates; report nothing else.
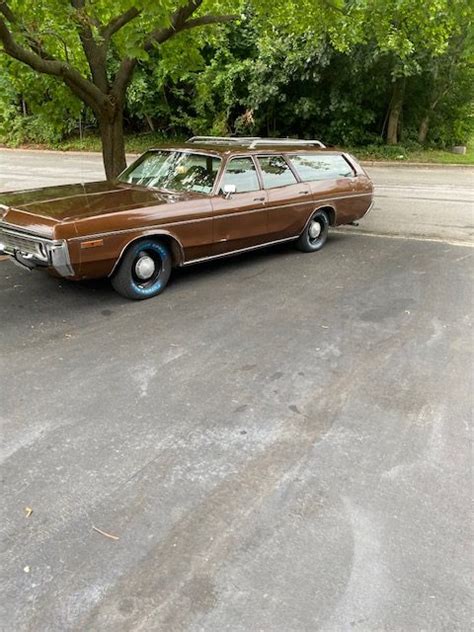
(396, 105)
(423, 129)
(149, 120)
(113, 144)
(425, 121)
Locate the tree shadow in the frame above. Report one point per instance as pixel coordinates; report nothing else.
(30, 297)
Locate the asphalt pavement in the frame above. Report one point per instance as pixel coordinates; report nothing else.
(279, 442)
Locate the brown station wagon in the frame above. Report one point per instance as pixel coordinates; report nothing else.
(174, 206)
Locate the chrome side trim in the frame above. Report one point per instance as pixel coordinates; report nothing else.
(343, 197)
(320, 201)
(206, 219)
(221, 255)
(269, 243)
(149, 229)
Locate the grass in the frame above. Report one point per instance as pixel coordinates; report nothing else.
(138, 143)
(397, 153)
(135, 143)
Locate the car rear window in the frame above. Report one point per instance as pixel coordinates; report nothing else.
(275, 172)
(321, 166)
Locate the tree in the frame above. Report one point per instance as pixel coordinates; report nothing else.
(350, 71)
(413, 35)
(76, 41)
(36, 107)
(407, 32)
(445, 73)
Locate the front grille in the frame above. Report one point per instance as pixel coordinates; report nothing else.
(12, 241)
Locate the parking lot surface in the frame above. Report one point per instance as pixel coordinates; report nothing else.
(279, 442)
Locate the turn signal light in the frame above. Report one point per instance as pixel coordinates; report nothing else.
(92, 244)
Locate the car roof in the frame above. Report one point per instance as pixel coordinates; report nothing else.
(227, 150)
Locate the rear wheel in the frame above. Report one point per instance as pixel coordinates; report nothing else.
(315, 234)
(144, 270)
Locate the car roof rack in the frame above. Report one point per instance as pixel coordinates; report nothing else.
(252, 142)
(222, 140)
(294, 142)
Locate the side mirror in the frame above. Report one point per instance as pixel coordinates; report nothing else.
(229, 190)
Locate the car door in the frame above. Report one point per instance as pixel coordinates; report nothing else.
(288, 200)
(240, 219)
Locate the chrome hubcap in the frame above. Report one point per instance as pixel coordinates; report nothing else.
(314, 230)
(145, 267)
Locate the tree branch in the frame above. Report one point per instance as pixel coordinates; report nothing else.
(119, 22)
(72, 77)
(208, 19)
(179, 22)
(123, 76)
(158, 36)
(7, 12)
(96, 54)
(32, 42)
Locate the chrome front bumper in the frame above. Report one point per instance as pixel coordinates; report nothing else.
(33, 251)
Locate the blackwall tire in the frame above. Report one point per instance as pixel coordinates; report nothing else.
(315, 233)
(144, 270)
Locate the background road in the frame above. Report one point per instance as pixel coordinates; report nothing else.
(430, 202)
(281, 441)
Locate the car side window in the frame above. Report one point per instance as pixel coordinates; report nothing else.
(275, 172)
(242, 173)
(321, 166)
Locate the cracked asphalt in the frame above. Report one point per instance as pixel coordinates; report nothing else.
(281, 442)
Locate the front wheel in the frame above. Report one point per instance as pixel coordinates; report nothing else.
(144, 270)
(315, 234)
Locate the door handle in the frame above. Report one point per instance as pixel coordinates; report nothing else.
(260, 199)
(303, 192)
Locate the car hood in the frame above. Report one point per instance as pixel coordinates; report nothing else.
(76, 201)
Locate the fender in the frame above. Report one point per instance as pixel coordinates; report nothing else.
(322, 207)
(176, 246)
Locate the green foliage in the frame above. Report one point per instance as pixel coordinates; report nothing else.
(56, 22)
(309, 68)
(34, 108)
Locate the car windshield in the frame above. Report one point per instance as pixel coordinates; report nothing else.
(173, 171)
